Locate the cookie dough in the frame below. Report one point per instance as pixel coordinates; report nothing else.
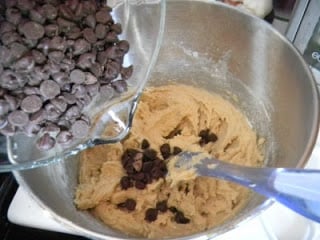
(179, 117)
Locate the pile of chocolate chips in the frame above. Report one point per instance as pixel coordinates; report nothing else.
(143, 165)
(55, 56)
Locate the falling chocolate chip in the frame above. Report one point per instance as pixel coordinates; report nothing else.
(151, 215)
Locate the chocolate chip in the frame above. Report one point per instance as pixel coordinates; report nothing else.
(38, 56)
(145, 144)
(123, 45)
(50, 11)
(32, 30)
(112, 37)
(165, 150)
(96, 69)
(64, 137)
(140, 185)
(45, 142)
(13, 101)
(18, 118)
(126, 72)
(49, 89)
(25, 5)
(51, 128)
(8, 130)
(90, 21)
(89, 35)
(60, 103)
(77, 76)
(103, 16)
(31, 129)
(149, 154)
(126, 182)
(6, 27)
(129, 204)
(13, 15)
(10, 37)
(56, 56)
(81, 46)
(4, 107)
(86, 60)
(151, 215)
(101, 31)
(120, 86)
(180, 218)
(140, 176)
(176, 150)
(24, 64)
(80, 129)
(31, 104)
(173, 209)
(147, 166)
(93, 89)
(116, 28)
(38, 117)
(162, 206)
(37, 15)
(106, 91)
(52, 113)
(212, 137)
(206, 136)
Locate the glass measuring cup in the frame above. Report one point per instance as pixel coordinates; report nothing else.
(142, 26)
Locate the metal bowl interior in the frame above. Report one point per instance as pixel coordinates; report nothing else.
(225, 51)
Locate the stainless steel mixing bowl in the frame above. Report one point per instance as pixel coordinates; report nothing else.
(241, 57)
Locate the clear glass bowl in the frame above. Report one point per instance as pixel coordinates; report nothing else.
(142, 24)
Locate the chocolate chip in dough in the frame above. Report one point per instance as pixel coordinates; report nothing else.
(162, 206)
(180, 218)
(126, 182)
(165, 150)
(129, 204)
(151, 215)
(145, 144)
(176, 150)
